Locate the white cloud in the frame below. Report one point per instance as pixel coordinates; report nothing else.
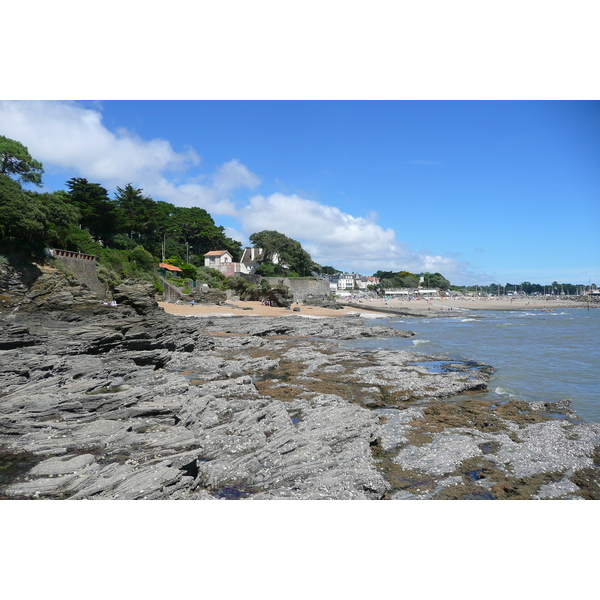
(336, 238)
(234, 175)
(72, 137)
(234, 234)
(190, 194)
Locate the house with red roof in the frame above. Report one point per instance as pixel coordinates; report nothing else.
(215, 258)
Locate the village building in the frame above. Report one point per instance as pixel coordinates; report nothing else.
(222, 261)
(406, 292)
(349, 282)
(215, 258)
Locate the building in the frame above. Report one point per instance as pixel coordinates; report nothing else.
(215, 258)
(349, 281)
(222, 261)
(252, 258)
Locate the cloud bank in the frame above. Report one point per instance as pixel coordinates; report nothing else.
(74, 138)
(336, 238)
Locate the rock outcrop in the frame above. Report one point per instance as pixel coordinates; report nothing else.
(323, 302)
(113, 404)
(138, 294)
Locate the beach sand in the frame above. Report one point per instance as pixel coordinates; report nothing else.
(258, 310)
(370, 307)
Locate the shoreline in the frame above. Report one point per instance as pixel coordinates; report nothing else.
(371, 308)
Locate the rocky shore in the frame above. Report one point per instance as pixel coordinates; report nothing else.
(133, 403)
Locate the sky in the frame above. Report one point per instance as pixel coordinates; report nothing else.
(480, 191)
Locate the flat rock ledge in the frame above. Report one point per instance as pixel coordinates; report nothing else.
(113, 404)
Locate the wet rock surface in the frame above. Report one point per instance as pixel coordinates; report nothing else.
(132, 403)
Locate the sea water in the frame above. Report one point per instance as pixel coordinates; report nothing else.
(545, 356)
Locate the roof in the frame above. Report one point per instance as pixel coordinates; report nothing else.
(168, 267)
(217, 253)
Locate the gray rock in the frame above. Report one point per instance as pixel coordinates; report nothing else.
(108, 404)
(137, 294)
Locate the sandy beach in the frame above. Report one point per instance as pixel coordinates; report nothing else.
(258, 310)
(370, 307)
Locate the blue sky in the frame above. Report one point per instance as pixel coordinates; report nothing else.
(481, 191)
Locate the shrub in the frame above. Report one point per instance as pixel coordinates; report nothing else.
(142, 258)
(107, 276)
(79, 240)
(212, 277)
(187, 270)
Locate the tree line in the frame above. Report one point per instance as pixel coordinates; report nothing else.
(129, 232)
(406, 279)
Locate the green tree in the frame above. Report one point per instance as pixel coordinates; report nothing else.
(32, 219)
(269, 269)
(288, 252)
(435, 280)
(98, 213)
(60, 217)
(134, 214)
(328, 270)
(199, 234)
(142, 258)
(21, 218)
(80, 240)
(16, 160)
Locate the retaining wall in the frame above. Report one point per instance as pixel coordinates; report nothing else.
(84, 271)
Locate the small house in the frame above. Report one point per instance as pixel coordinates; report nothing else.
(216, 258)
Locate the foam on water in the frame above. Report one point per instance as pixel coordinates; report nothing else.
(502, 392)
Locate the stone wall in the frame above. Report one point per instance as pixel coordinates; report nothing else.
(85, 272)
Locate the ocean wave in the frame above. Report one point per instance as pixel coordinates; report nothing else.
(419, 342)
(467, 320)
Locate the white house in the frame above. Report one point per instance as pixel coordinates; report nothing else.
(215, 258)
(222, 261)
(362, 282)
(253, 257)
(429, 293)
(346, 281)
